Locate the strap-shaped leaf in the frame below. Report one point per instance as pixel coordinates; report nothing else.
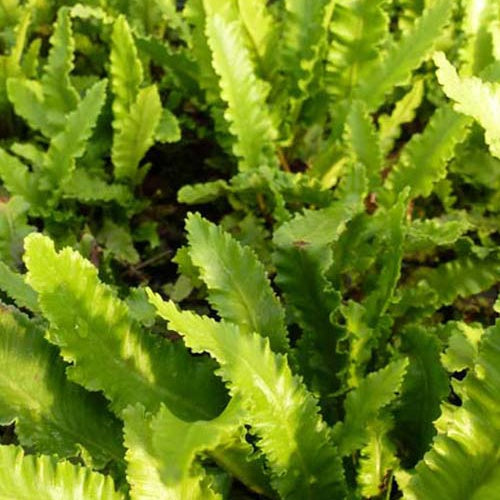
(126, 70)
(71, 142)
(60, 97)
(163, 452)
(258, 24)
(404, 112)
(13, 228)
(17, 179)
(135, 133)
(109, 352)
(362, 138)
(426, 234)
(238, 287)
(424, 158)
(27, 98)
(442, 285)
(244, 93)
(363, 404)
(358, 29)
(28, 476)
(302, 256)
(15, 287)
(304, 33)
(478, 51)
(464, 459)
(424, 388)
(473, 97)
(281, 411)
(52, 415)
(396, 65)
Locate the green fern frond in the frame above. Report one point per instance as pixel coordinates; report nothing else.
(14, 285)
(302, 257)
(28, 476)
(424, 235)
(164, 452)
(281, 411)
(129, 366)
(60, 97)
(244, 93)
(394, 68)
(71, 142)
(473, 97)
(126, 70)
(359, 28)
(363, 140)
(424, 388)
(135, 133)
(464, 459)
(238, 287)
(363, 404)
(404, 112)
(424, 159)
(52, 415)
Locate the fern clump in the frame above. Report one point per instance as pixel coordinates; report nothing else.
(324, 324)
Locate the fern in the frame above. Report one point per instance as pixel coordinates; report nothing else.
(52, 415)
(424, 388)
(473, 97)
(463, 461)
(237, 283)
(15, 287)
(91, 313)
(404, 56)
(404, 112)
(60, 97)
(362, 138)
(164, 452)
(70, 143)
(136, 132)
(424, 159)
(364, 403)
(241, 89)
(359, 29)
(281, 411)
(28, 476)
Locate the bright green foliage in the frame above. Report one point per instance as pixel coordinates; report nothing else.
(13, 227)
(361, 135)
(427, 234)
(473, 97)
(359, 29)
(15, 287)
(51, 413)
(302, 257)
(28, 476)
(126, 69)
(281, 411)
(136, 132)
(60, 97)
(302, 42)
(83, 314)
(404, 112)
(463, 461)
(163, 453)
(70, 143)
(393, 68)
(423, 160)
(350, 274)
(363, 404)
(244, 93)
(424, 388)
(238, 287)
